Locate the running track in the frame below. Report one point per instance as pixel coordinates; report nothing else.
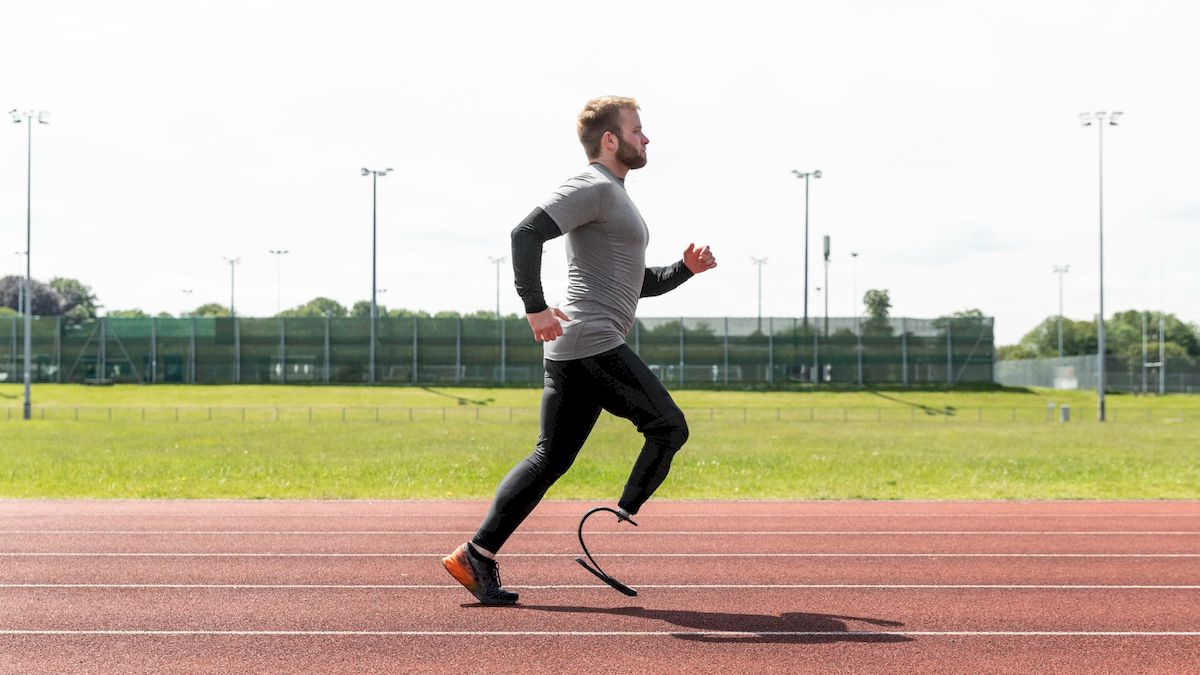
(358, 587)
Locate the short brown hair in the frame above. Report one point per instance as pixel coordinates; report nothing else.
(601, 115)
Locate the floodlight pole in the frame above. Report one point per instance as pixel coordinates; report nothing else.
(28, 116)
(759, 262)
(1086, 120)
(826, 285)
(232, 262)
(1060, 270)
(279, 278)
(497, 262)
(375, 174)
(816, 377)
(857, 327)
(806, 175)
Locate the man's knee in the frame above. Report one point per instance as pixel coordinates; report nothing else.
(670, 430)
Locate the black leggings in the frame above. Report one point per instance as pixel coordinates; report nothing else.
(575, 393)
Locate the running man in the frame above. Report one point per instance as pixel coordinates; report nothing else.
(589, 368)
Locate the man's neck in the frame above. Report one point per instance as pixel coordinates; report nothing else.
(614, 167)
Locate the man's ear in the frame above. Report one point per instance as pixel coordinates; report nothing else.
(609, 140)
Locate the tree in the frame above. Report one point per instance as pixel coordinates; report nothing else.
(79, 302)
(1123, 338)
(127, 314)
(46, 300)
(362, 309)
(878, 303)
(212, 309)
(316, 308)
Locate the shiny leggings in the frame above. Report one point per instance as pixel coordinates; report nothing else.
(575, 393)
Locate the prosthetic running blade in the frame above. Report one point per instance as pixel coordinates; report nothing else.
(594, 568)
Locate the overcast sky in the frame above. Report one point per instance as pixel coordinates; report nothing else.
(948, 134)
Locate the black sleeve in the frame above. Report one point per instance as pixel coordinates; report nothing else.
(527, 239)
(659, 280)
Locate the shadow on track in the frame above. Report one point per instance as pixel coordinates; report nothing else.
(759, 626)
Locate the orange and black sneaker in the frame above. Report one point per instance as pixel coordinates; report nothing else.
(480, 575)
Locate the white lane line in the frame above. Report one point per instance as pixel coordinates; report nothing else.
(598, 633)
(1065, 587)
(752, 533)
(25, 554)
(575, 516)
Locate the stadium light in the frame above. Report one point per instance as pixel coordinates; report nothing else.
(232, 262)
(374, 174)
(43, 117)
(806, 175)
(187, 300)
(279, 253)
(760, 262)
(1060, 270)
(1087, 120)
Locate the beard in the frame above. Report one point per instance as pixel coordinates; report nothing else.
(628, 156)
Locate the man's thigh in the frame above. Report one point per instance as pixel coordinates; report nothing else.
(628, 388)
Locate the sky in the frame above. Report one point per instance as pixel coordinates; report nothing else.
(953, 160)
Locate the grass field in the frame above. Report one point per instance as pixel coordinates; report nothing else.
(398, 443)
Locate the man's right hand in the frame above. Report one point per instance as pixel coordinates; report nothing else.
(545, 324)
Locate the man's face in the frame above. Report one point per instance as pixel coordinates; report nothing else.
(631, 143)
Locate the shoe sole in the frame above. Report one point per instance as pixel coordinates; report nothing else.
(463, 576)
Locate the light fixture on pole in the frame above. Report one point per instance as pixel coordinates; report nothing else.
(187, 300)
(497, 262)
(759, 262)
(1060, 270)
(806, 175)
(1100, 119)
(279, 253)
(43, 117)
(232, 262)
(374, 174)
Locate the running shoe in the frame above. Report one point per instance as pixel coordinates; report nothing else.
(480, 575)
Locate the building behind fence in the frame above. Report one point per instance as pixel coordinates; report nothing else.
(691, 352)
(1178, 376)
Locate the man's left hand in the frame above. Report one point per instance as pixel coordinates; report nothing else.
(699, 259)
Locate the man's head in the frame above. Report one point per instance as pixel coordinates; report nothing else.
(610, 128)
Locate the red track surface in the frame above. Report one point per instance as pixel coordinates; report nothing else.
(725, 587)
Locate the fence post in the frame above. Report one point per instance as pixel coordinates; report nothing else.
(326, 374)
(282, 356)
(457, 350)
(770, 350)
(503, 353)
(153, 354)
(904, 350)
(237, 351)
(949, 355)
(727, 351)
(58, 349)
(102, 356)
(681, 351)
(414, 368)
(191, 356)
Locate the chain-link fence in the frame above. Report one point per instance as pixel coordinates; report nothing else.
(683, 352)
(1176, 376)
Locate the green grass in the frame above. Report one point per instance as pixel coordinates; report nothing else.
(744, 445)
